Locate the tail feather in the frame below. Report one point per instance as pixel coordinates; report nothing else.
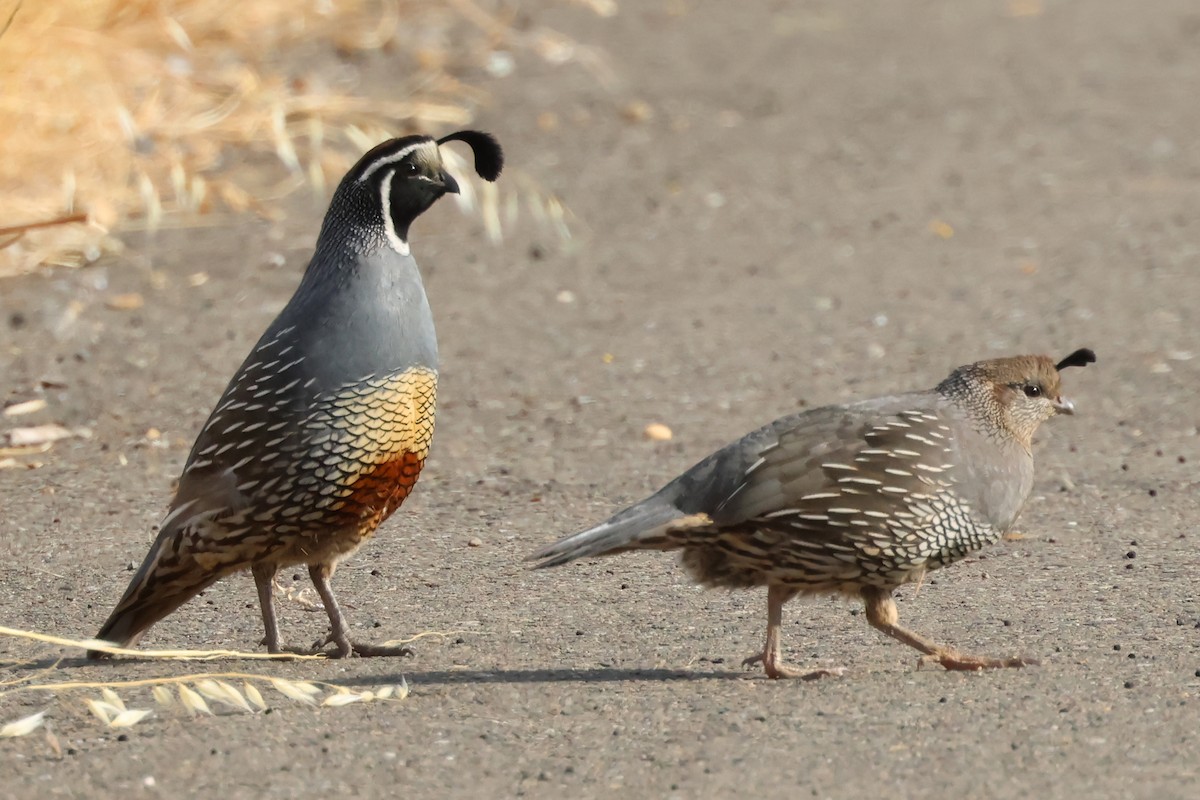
(645, 526)
(165, 581)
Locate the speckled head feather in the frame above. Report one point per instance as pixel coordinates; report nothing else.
(1038, 373)
(1015, 394)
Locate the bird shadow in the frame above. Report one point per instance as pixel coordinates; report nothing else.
(458, 677)
(447, 677)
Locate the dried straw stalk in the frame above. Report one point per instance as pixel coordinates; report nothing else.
(124, 113)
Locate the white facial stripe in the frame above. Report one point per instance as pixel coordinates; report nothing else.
(389, 227)
(393, 158)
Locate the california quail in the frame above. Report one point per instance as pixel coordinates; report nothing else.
(324, 429)
(855, 499)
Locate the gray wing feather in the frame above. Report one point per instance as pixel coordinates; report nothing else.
(763, 472)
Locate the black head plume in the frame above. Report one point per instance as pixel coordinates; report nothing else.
(1080, 358)
(489, 158)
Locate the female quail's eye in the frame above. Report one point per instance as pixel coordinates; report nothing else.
(1032, 390)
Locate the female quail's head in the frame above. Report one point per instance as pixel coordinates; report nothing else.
(1013, 396)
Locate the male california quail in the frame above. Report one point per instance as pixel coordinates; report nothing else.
(324, 429)
(857, 499)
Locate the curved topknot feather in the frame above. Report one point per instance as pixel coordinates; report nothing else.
(1080, 358)
(489, 158)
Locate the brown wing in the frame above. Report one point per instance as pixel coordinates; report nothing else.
(867, 500)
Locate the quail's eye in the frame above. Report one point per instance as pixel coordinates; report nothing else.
(1032, 390)
(407, 168)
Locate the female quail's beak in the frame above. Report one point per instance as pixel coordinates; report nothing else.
(1062, 405)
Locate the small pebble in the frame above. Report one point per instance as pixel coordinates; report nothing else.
(657, 432)
(125, 302)
(475, 542)
(637, 111)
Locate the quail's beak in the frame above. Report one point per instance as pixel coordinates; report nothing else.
(1064, 406)
(449, 184)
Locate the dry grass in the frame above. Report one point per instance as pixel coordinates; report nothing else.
(195, 695)
(156, 101)
(192, 694)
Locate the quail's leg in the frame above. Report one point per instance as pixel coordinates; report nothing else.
(264, 579)
(339, 631)
(883, 616)
(771, 657)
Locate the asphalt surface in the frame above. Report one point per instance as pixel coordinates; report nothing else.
(773, 205)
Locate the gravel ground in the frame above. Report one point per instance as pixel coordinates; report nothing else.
(774, 205)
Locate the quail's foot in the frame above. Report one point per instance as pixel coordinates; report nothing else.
(962, 662)
(771, 656)
(339, 630)
(883, 616)
(283, 651)
(777, 671)
(344, 647)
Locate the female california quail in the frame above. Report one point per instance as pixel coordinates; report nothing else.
(324, 429)
(857, 499)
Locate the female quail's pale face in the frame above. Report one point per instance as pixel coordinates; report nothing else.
(1032, 404)
(1029, 392)
(1037, 396)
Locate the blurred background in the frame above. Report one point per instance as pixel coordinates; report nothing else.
(121, 116)
(713, 213)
